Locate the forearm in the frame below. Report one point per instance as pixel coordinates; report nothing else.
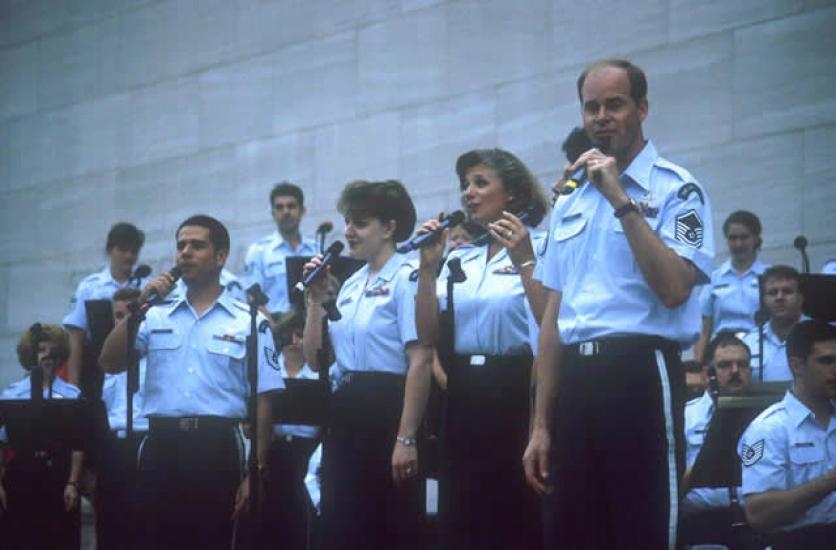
(547, 365)
(264, 431)
(705, 337)
(535, 292)
(772, 509)
(670, 276)
(426, 307)
(312, 337)
(76, 351)
(417, 389)
(76, 462)
(114, 355)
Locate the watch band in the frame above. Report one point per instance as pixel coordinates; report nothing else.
(406, 441)
(622, 211)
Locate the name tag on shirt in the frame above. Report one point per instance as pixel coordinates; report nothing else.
(804, 444)
(162, 330)
(380, 291)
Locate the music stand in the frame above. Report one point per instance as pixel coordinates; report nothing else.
(99, 324)
(819, 293)
(54, 425)
(718, 464)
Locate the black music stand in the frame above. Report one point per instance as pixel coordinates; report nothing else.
(819, 296)
(99, 324)
(54, 425)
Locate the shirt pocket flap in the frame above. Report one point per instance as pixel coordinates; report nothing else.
(164, 339)
(570, 225)
(806, 454)
(276, 267)
(229, 348)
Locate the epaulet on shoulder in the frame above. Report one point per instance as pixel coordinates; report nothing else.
(769, 413)
(683, 174)
(93, 277)
(238, 304)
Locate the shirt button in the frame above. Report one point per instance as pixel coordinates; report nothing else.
(191, 370)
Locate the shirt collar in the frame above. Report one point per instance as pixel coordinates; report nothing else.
(796, 410)
(225, 300)
(391, 267)
(757, 268)
(641, 166)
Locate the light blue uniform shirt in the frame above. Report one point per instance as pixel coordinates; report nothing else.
(698, 413)
(231, 283)
(775, 363)
(296, 430)
(98, 286)
(731, 300)
(197, 365)
(378, 319)
(785, 447)
(265, 265)
(589, 260)
(492, 314)
(22, 390)
(114, 395)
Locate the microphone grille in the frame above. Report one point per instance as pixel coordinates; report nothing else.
(455, 218)
(335, 248)
(176, 271)
(142, 271)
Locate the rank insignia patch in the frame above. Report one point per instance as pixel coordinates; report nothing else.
(272, 358)
(751, 455)
(689, 229)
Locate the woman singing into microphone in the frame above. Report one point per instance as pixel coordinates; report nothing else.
(488, 504)
(372, 491)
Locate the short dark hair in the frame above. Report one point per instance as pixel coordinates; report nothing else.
(780, 272)
(517, 180)
(638, 81)
(218, 235)
(54, 334)
(576, 144)
(724, 339)
(287, 189)
(126, 236)
(748, 220)
(805, 334)
(385, 200)
(126, 294)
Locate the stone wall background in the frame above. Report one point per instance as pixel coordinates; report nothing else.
(151, 110)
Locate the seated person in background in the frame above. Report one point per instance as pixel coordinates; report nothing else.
(695, 379)
(707, 514)
(782, 300)
(39, 489)
(287, 503)
(729, 303)
(789, 450)
(116, 468)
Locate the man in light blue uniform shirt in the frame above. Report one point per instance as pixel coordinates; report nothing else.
(789, 451)
(627, 251)
(265, 262)
(707, 514)
(782, 300)
(124, 242)
(196, 392)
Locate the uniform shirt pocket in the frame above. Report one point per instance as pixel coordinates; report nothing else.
(227, 356)
(164, 339)
(275, 268)
(805, 455)
(570, 226)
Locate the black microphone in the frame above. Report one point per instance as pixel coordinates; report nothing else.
(141, 271)
(256, 296)
(416, 242)
(36, 378)
(331, 254)
(522, 216)
(154, 298)
(456, 271)
(800, 243)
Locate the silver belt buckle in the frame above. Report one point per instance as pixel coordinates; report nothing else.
(187, 424)
(588, 349)
(477, 360)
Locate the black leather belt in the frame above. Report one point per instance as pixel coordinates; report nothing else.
(621, 344)
(160, 425)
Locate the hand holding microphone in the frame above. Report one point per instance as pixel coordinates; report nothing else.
(431, 238)
(313, 269)
(159, 287)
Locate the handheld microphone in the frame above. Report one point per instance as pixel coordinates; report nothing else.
(331, 254)
(575, 179)
(154, 298)
(256, 296)
(456, 271)
(416, 242)
(522, 216)
(141, 271)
